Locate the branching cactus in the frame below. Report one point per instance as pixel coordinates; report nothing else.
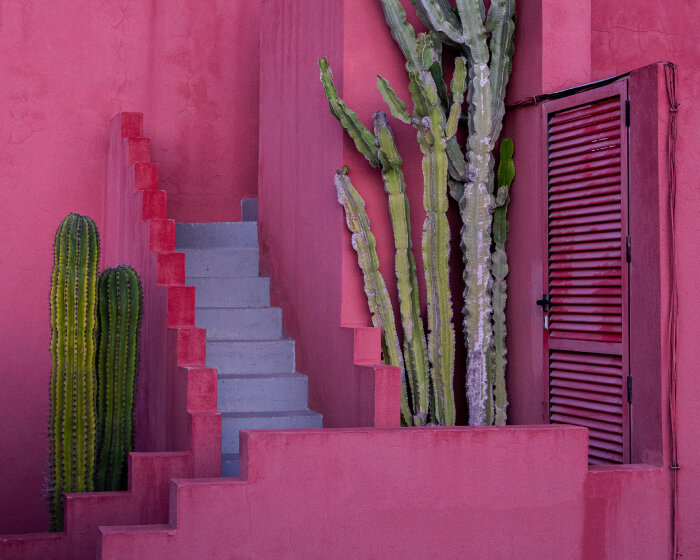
(72, 424)
(488, 45)
(120, 311)
(485, 41)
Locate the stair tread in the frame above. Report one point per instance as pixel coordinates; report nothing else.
(270, 414)
(274, 375)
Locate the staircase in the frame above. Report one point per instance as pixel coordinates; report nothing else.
(257, 387)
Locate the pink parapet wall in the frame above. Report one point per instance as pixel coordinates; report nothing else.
(384, 493)
(66, 68)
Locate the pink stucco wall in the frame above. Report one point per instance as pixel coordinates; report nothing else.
(66, 68)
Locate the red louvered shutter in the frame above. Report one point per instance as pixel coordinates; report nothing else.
(587, 339)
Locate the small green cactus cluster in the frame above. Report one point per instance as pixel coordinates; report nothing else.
(82, 420)
(484, 43)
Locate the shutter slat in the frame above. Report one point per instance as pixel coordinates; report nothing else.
(605, 318)
(576, 394)
(611, 170)
(604, 127)
(579, 246)
(578, 194)
(583, 255)
(596, 405)
(607, 138)
(597, 108)
(583, 388)
(556, 232)
(612, 161)
(591, 198)
(586, 273)
(591, 309)
(584, 149)
(589, 208)
(585, 157)
(599, 237)
(608, 218)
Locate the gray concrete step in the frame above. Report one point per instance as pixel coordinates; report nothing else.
(221, 234)
(233, 423)
(230, 323)
(231, 292)
(257, 393)
(222, 261)
(245, 357)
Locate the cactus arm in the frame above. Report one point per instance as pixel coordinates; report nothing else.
(441, 337)
(402, 32)
(470, 13)
(397, 106)
(501, 45)
(380, 307)
(440, 17)
(506, 174)
(364, 141)
(415, 352)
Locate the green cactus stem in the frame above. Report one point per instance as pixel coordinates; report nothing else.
(363, 138)
(506, 174)
(377, 296)
(120, 311)
(72, 423)
(415, 352)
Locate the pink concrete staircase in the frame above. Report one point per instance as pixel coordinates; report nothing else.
(173, 378)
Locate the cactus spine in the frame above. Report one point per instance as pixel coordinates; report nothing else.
(72, 422)
(120, 311)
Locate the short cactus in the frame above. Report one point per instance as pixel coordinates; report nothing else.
(72, 423)
(120, 311)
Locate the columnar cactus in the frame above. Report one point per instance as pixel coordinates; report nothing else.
(485, 42)
(377, 296)
(487, 46)
(120, 311)
(72, 422)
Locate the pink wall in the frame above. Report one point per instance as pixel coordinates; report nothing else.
(517, 492)
(625, 35)
(67, 67)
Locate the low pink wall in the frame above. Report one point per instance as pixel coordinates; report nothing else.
(516, 492)
(66, 68)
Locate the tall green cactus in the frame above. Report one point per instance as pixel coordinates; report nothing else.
(485, 41)
(488, 45)
(120, 312)
(72, 422)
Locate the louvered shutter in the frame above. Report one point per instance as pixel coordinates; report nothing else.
(587, 340)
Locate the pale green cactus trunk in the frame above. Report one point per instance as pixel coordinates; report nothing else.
(471, 179)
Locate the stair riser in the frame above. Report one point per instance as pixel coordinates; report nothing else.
(231, 292)
(232, 263)
(254, 394)
(251, 357)
(231, 427)
(227, 234)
